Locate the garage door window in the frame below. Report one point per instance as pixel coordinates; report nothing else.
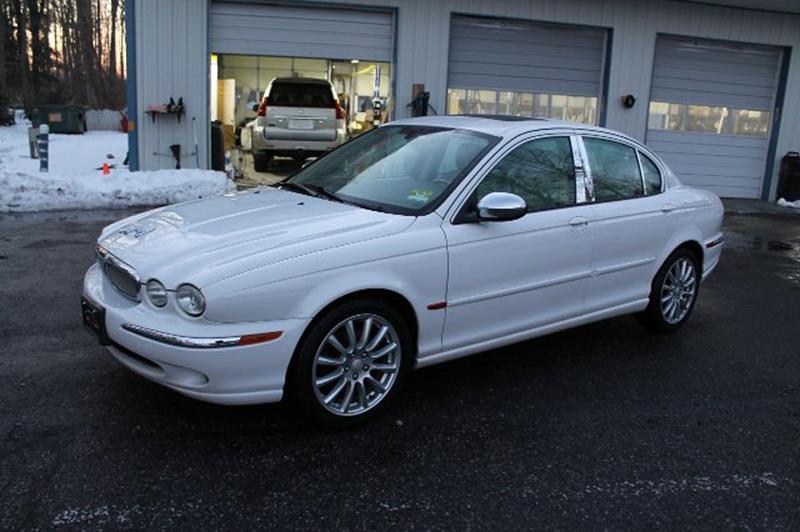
(540, 171)
(614, 168)
(581, 109)
(708, 119)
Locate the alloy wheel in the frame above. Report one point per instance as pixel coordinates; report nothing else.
(356, 364)
(678, 290)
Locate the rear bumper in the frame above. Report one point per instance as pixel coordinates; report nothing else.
(229, 375)
(711, 254)
(290, 147)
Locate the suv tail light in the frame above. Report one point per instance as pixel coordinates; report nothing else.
(339, 110)
(262, 108)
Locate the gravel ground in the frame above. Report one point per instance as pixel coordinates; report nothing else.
(602, 427)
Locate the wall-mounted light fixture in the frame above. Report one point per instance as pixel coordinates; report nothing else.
(628, 101)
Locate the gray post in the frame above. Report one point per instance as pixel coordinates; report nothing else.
(33, 132)
(42, 139)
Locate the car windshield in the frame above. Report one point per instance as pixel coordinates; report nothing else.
(399, 169)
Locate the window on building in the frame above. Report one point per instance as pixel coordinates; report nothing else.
(615, 169)
(581, 109)
(652, 177)
(708, 119)
(540, 171)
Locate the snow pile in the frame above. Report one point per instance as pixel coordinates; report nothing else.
(784, 203)
(74, 181)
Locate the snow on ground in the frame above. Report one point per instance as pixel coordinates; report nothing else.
(785, 203)
(74, 181)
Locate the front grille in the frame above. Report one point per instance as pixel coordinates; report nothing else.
(121, 276)
(122, 280)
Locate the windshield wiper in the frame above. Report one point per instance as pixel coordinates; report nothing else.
(294, 187)
(320, 191)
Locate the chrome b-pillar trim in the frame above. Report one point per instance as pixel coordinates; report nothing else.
(182, 341)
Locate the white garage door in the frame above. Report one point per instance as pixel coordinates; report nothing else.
(499, 66)
(711, 112)
(315, 32)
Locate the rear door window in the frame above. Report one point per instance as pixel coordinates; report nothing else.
(652, 177)
(614, 168)
(300, 95)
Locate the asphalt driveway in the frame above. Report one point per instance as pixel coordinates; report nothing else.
(599, 427)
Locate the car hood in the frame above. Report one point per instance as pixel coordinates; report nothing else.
(205, 241)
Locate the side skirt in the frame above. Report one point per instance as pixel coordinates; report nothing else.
(620, 310)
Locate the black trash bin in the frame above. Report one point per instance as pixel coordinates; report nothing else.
(789, 178)
(217, 147)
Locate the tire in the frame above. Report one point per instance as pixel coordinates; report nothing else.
(335, 385)
(673, 293)
(261, 162)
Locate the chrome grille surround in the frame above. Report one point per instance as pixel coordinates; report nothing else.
(122, 277)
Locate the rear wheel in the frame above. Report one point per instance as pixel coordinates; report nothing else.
(261, 161)
(674, 293)
(352, 363)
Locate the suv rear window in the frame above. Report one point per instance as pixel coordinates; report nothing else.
(300, 95)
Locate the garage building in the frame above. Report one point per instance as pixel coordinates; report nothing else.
(713, 86)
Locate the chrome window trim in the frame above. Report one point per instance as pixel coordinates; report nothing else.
(182, 341)
(588, 179)
(641, 172)
(582, 194)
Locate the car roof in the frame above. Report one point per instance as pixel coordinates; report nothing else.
(503, 125)
(305, 81)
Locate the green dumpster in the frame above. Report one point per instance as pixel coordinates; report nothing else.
(61, 118)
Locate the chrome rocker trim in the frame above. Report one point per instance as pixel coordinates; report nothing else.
(182, 341)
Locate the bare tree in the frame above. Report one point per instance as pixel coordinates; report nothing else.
(62, 51)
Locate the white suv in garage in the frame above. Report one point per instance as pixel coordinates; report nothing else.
(299, 118)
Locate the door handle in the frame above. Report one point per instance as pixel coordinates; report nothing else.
(578, 222)
(667, 208)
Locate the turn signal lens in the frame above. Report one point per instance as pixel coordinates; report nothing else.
(190, 300)
(250, 339)
(156, 293)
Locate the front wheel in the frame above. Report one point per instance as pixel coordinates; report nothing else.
(674, 292)
(351, 363)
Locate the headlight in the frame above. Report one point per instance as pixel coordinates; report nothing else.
(190, 299)
(156, 293)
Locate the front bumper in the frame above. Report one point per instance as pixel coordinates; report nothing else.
(240, 374)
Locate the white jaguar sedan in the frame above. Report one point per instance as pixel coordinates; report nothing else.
(422, 241)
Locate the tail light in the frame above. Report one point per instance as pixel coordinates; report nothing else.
(262, 108)
(339, 110)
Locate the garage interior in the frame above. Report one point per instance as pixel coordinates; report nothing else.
(252, 44)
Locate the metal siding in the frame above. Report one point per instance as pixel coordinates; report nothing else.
(172, 61)
(512, 55)
(731, 166)
(423, 33)
(297, 31)
(715, 73)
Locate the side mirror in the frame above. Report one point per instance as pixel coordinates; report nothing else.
(501, 206)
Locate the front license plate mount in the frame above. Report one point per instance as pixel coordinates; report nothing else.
(94, 319)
